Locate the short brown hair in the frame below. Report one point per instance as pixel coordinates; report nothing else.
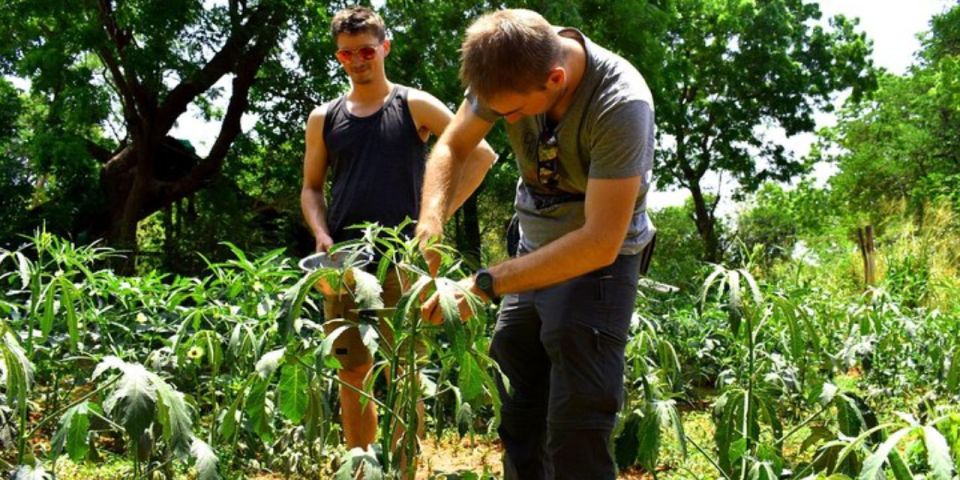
(508, 50)
(357, 20)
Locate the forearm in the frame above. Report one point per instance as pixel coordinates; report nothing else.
(314, 208)
(574, 254)
(443, 173)
(472, 172)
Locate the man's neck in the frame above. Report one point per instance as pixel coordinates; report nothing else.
(372, 93)
(575, 63)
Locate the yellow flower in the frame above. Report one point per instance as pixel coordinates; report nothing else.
(141, 318)
(195, 353)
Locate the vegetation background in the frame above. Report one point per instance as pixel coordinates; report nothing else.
(183, 343)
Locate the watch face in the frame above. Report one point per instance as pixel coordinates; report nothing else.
(484, 281)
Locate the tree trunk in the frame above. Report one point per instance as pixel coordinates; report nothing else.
(155, 171)
(706, 224)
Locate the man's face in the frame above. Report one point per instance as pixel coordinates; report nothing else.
(513, 106)
(362, 56)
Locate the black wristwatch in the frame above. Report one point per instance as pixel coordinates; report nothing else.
(484, 281)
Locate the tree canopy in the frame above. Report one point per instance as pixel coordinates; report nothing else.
(903, 145)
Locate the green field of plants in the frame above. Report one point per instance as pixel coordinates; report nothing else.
(771, 368)
(800, 319)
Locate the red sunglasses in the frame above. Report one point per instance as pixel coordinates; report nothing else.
(365, 53)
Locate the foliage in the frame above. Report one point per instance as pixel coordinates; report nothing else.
(901, 145)
(731, 67)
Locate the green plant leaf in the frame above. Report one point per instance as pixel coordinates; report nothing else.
(67, 300)
(228, 427)
(469, 380)
(446, 292)
(269, 363)
(49, 309)
(71, 434)
(23, 266)
(133, 400)
(738, 449)
(754, 288)
(293, 390)
(938, 454)
(205, 460)
(678, 430)
(174, 416)
(649, 434)
(953, 374)
(627, 444)
(294, 297)
(818, 434)
(360, 464)
(30, 472)
(827, 393)
(256, 410)
(849, 417)
(16, 367)
(710, 280)
(900, 469)
(734, 302)
(366, 290)
(326, 347)
(874, 463)
(762, 471)
(315, 412)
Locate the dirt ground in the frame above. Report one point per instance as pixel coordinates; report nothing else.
(474, 455)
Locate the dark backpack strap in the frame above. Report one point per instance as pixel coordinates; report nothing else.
(646, 255)
(513, 235)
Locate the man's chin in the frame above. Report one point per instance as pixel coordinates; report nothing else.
(362, 79)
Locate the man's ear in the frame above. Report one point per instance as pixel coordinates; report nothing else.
(557, 77)
(386, 47)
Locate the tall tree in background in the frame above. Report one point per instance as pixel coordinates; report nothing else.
(904, 145)
(14, 177)
(136, 66)
(732, 68)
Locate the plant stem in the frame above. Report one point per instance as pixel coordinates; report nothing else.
(708, 457)
(342, 383)
(779, 441)
(80, 400)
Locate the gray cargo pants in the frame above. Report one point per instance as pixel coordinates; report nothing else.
(562, 350)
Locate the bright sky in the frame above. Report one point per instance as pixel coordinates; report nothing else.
(892, 25)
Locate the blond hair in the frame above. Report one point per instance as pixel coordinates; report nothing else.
(357, 20)
(508, 50)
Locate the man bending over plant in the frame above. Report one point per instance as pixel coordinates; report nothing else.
(580, 121)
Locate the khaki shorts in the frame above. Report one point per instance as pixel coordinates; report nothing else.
(348, 348)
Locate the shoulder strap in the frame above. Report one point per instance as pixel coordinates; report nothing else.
(333, 109)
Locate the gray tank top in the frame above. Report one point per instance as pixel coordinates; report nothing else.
(377, 165)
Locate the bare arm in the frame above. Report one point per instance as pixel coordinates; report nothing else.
(312, 202)
(608, 209)
(431, 114)
(447, 168)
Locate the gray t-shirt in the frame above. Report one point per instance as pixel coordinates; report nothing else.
(607, 132)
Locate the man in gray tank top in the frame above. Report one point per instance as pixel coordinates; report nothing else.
(580, 122)
(373, 141)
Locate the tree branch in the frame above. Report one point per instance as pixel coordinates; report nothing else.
(129, 88)
(96, 151)
(223, 62)
(230, 128)
(120, 162)
(716, 199)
